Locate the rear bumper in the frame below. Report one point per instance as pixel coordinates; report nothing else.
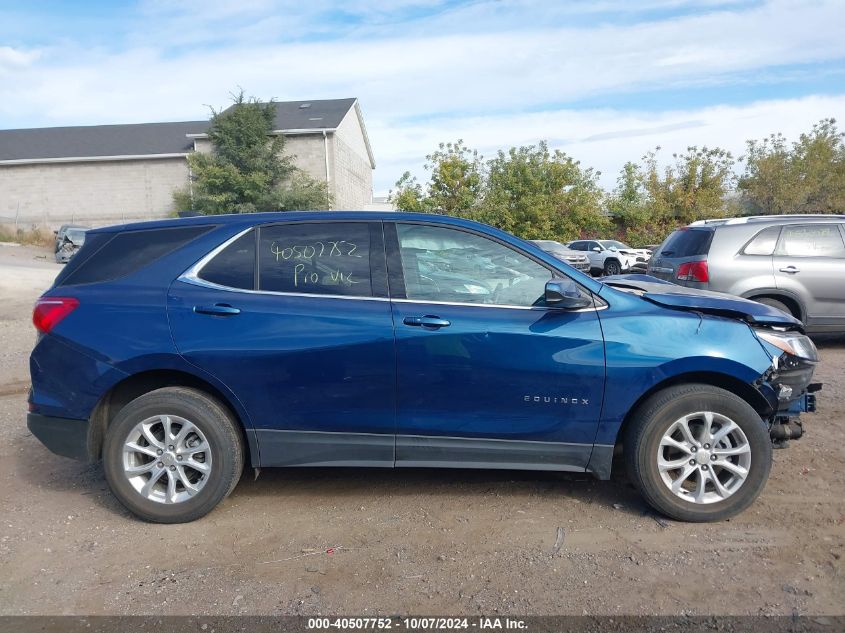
(63, 436)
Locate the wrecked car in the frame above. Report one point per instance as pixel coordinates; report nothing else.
(179, 351)
(72, 240)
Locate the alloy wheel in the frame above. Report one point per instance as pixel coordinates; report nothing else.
(167, 459)
(704, 457)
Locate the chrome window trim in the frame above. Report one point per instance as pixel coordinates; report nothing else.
(207, 284)
(191, 276)
(499, 305)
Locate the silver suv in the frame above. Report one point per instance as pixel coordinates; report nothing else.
(793, 262)
(579, 261)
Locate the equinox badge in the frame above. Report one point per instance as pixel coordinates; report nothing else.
(557, 400)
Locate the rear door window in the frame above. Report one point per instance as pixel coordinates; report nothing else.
(330, 258)
(812, 240)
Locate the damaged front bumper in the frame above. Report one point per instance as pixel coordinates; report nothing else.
(788, 388)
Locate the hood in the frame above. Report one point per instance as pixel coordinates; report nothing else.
(669, 295)
(567, 254)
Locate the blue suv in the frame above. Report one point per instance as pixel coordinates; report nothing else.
(179, 351)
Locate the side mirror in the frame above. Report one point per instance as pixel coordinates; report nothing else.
(564, 293)
(596, 249)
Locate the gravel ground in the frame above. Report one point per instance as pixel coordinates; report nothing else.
(411, 541)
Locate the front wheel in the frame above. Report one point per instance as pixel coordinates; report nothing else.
(612, 267)
(698, 453)
(171, 455)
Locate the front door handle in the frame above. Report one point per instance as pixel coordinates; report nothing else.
(428, 321)
(790, 269)
(218, 309)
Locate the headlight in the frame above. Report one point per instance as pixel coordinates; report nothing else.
(790, 342)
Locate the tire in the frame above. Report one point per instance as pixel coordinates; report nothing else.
(644, 443)
(780, 305)
(181, 493)
(612, 267)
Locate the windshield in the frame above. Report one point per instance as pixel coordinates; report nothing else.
(75, 235)
(613, 244)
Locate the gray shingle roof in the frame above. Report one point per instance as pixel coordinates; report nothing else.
(145, 139)
(322, 114)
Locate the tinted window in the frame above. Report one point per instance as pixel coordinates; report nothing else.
(107, 256)
(687, 242)
(577, 246)
(812, 240)
(234, 266)
(764, 242)
(331, 258)
(441, 264)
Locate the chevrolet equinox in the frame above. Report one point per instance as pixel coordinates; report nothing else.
(179, 351)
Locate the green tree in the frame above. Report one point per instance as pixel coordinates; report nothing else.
(650, 200)
(539, 194)
(454, 187)
(247, 170)
(530, 191)
(767, 185)
(633, 212)
(808, 177)
(696, 186)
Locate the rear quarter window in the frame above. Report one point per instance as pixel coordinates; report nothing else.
(763, 243)
(234, 266)
(107, 256)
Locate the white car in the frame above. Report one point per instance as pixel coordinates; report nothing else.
(610, 257)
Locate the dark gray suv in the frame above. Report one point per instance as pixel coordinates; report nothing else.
(793, 262)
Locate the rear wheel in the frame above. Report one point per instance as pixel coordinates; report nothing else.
(780, 305)
(171, 455)
(698, 453)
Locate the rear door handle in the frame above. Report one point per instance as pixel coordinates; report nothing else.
(218, 309)
(790, 269)
(428, 321)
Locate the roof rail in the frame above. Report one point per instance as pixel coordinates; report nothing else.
(768, 218)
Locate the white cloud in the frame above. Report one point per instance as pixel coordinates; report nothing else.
(14, 58)
(494, 73)
(602, 139)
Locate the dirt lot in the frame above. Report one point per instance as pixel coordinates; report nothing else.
(424, 542)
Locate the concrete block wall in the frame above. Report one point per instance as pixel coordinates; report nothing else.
(310, 154)
(97, 192)
(353, 178)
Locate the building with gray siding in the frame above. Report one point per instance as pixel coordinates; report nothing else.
(112, 173)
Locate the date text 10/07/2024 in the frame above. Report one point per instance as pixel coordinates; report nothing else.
(418, 624)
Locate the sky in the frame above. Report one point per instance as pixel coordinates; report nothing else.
(604, 81)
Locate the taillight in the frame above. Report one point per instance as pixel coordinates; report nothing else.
(693, 271)
(49, 311)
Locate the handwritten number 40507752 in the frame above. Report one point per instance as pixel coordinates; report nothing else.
(331, 248)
